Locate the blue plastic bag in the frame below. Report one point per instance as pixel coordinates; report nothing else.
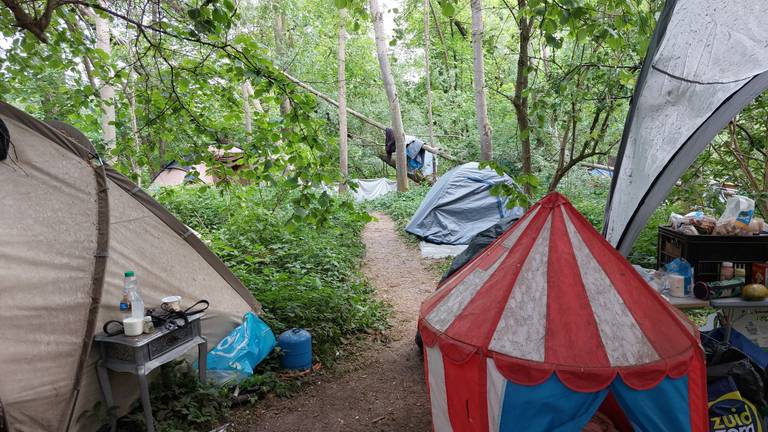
(234, 358)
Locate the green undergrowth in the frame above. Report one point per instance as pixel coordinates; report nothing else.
(306, 276)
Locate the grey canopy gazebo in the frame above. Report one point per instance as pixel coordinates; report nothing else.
(706, 61)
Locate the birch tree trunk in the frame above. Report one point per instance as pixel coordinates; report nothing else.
(285, 105)
(247, 116)
(134, 126)
(343, 162)
(389, 87)
(428, 83)
(106, 91)
(483, 127)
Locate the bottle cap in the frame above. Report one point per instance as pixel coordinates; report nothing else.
(727, 264)
(129, 273)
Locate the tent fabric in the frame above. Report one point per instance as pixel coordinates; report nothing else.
(368, 189)
(174, 174)
(460, 205)
(71, 227)
(706, 61)
(548, 300)
(479, 242)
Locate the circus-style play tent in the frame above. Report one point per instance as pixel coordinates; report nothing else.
(707, 61)
(549, 323)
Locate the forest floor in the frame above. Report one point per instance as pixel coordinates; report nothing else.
(381, 388)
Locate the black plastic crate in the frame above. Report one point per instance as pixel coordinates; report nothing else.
(706, 252)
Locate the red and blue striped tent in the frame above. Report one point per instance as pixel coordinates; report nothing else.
(549, 324)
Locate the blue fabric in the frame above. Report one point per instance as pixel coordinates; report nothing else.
(548, 407)
(740, 342)
(663, 408)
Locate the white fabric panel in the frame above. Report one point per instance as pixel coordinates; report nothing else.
(444, 313)
(715, 41)
(624, 342)
(668, 112)
(47, 245)
(710, 50)
(438, 398)
(521, 331)
(169, 177)
(165, 265)
(497, 384)
(372, 189)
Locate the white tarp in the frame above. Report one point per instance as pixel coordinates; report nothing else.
(368, 189)
(707, 60)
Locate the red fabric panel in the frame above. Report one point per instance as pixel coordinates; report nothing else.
(585, 380)
(645, 376)
(476, 323)
(522, 372)
(665, 332)
(455, 351)
(465, 387)
(426, 376)
(613, 411)
(428, 334)
(572, 336)
(697, 393)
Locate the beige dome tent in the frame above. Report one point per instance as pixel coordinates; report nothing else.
(70, 227)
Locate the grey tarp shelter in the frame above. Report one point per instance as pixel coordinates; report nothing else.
(69, 227)
(460, 205)
(707, 61)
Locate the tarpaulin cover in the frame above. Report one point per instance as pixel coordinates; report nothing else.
(706, 61)
(550, 303)
(460, 205)
(368, 189)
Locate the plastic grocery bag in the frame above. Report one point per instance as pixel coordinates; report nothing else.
(234, 358)
(737, 217)
(729, 410)
(683, 268)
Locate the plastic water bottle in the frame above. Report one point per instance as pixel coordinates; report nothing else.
(129, 282)
(137, 303)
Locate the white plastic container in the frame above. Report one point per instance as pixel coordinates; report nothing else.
(137, 303)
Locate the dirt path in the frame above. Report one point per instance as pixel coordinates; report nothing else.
(384, 389)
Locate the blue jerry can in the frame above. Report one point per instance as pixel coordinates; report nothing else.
(296, 345)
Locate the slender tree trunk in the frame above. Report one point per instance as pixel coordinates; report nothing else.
(394, 103)
(428, 83)
(106, 91)
(247, 116)
(483, 127)
(521, 86)
(343, 154)
(285, 105)
(134, 126)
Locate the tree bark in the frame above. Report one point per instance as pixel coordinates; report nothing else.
(106, 91)
(521, 87)
(389, 87)
(428, 83)
(343, 153)
(134, 126)
(247, 116)
(285, 104)
(483, 127)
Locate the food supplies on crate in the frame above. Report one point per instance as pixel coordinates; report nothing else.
(738, 218)
(693, 223)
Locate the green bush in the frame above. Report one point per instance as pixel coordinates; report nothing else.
(304, 276)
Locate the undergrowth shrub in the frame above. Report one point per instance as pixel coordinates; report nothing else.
(304, 276)
(401, 206)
